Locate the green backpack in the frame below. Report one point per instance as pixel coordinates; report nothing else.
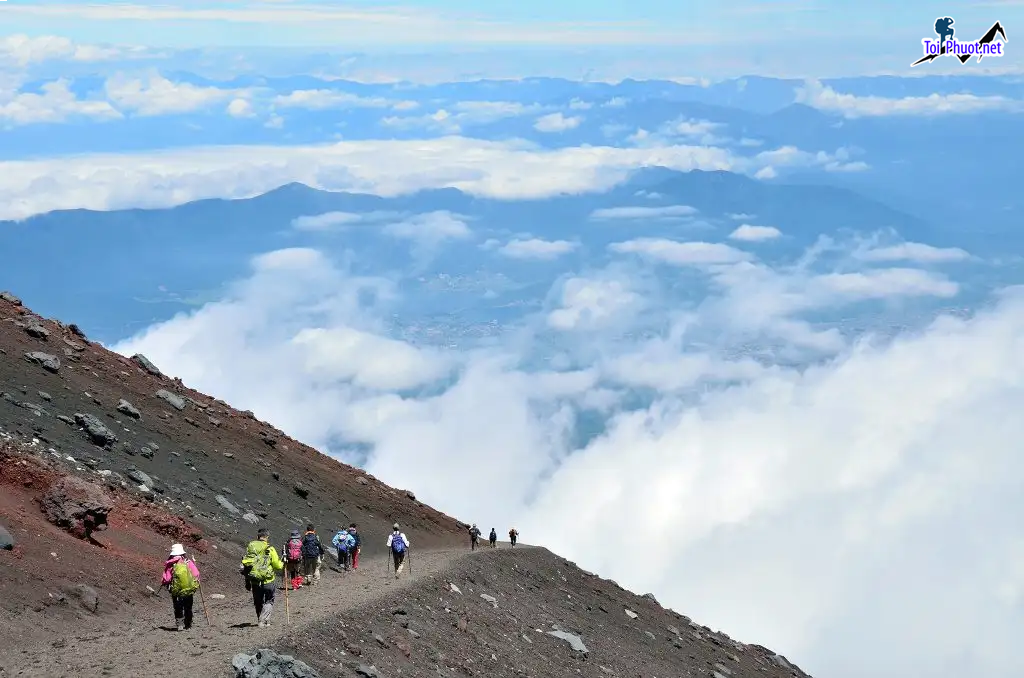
(262, 570)
(183, 582)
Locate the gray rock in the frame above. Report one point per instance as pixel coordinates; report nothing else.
(66, 419)
(146, 452)
(269, 664)
(45, 396)
(172, 399)
(251, 518)
(146, 364)
(574, 641)
(78, 506)
(630, 614)
(722, 670)
(301, 490)
(86, 596)
(139, 477)
(36, 330)
(10, 298)
(366, 671)
(227, 505)
(94, 428)
(125, 407)
(490, 599)
(6, 540)
(649, 635)
(50, 363)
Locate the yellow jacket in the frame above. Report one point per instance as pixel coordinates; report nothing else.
(255, 549)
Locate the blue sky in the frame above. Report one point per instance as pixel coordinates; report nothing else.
(360, 24)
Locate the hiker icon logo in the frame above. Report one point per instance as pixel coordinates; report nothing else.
(986, 46)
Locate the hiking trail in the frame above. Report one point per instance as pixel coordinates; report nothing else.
(148, 645)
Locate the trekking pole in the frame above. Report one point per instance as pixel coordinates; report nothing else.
(409, 555)
(287, 609)
(202, 597)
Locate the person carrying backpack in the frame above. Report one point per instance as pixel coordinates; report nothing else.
(399, 545)
(312, 551)
(181, 577)
(474, 537)
(493, 537)
(513, 536)
(259, 566)
(292, 552)
(343, 541)
(354, 552)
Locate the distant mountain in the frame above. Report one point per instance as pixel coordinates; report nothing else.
(90, 264)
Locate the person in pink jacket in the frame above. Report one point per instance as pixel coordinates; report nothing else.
(181, 577)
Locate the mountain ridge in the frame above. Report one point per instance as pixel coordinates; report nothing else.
(175, 448)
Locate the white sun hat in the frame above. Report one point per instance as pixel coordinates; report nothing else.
(177, 550)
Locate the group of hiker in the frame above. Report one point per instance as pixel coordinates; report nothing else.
(303, 556)
(474, 537)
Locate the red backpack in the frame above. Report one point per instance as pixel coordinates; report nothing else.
(294, 549)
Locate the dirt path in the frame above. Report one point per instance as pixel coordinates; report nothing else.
(149, 647)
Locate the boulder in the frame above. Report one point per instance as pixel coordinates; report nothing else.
(269, 664)
(86, 596)
(50, 363)
(172, 399)
(78, 506)
(251, 518)
(76, 330)
(10, 298)
(145, 363)
(126, 408)
(574, 641)
(94, 428)
(227, 505)
(6, 540)
(139, 477)
(35, 329)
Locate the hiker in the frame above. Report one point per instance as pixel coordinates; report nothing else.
(181, 577)
(259, 566)
(399, 545)
(292, 552)
(493, 537)
(354, 552)
(343, 541)
(312, 552)
(513, 536)
(474, 537)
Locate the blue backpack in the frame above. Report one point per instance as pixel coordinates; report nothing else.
(397, 543)
(341, 540)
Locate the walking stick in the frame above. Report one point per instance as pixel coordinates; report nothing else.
(409, 556)
(202, 597)
(287, 609)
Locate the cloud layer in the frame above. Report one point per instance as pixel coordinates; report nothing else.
(844, 498)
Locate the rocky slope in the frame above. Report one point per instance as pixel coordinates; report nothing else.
(104, 462)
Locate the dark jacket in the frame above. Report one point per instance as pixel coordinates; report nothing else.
(474, 532)
(359, 540)
(493, 536)
(319, 546)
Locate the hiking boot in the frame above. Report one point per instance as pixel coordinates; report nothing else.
(179, 625)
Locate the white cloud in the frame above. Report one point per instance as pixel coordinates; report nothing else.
(806, 504)
(385, 167)
(536, 248)
(462, 113)
(55, 103)
(322, 99)
(329, 221)
(587, 304)
(822, 97)
(240, 108)
(24, 50)
(430, 228)
(681, 253)
(751, 233)
(913, 251)
(156, 95)
(630, 212)
(556, 122)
